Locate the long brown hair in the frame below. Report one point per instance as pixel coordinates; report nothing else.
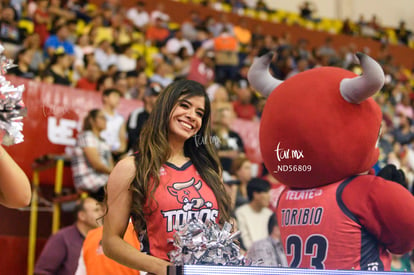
(154, 150)
(87, 121)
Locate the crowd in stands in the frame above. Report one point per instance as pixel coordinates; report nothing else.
(134, 53)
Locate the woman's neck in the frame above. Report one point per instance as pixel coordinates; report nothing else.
(96, 132)
(177, 156)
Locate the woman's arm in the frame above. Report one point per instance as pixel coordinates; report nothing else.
(94, 159)
(15, 188)
(116, 222)
(123, 138)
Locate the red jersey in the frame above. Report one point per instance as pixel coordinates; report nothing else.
(341, 226)
(181, 195)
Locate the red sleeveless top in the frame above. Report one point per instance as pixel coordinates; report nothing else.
(181, 195)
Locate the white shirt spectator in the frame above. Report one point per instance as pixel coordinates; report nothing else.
(252, 225)
(174, 45)
(251, 4)
(159, 14)
(139, 18)
(126, 64)
(104, 60)
(113, 128)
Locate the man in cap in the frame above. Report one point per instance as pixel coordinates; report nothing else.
(139, 116)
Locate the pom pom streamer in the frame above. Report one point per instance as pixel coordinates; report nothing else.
(202, 243)
(12, 108)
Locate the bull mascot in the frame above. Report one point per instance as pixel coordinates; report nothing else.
(318, 136)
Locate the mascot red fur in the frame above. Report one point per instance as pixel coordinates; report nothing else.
(318, 136)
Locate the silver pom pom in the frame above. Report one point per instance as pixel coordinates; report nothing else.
(12, 108)
(202, 243)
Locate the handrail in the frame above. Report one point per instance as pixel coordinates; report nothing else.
(43, 163)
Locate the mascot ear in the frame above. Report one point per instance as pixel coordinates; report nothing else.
(357, 89)
(260, 77)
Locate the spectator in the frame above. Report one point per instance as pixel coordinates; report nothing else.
(302, 51)
(301, 66)
(238, 6)
(243, 34)
(58, 12)
(121, 31)
(57, 71)
(115, 132)
(24, 57)
(347, 27)
(159, 13)
(162, 74)
(175, 43)
(138, 16)
(37, 62)
(140, 85)
(307, 10)
(403, 133)
(404, 107)
(93, 261)
(81, 9)
(328, 51)
(15, 191)
(241, 170)
(157, 33)
(217, 93)
(139, 116)
(181, 63)
(262, 6)
(92, 160)
(250, 4)
(403, 34)
(223, 24)
(11, 35)
(226, 49)
(202, 67)
(229, 144)
(121, 84)
(82, 48)
(105, 55)
(126, 60)
(105, 82)
(190, 28)
(243, 104)
(269, 250)
(253, 217)
(58, 41)
(90, 80)
(375, 27)
(61, 253)
(42, 20)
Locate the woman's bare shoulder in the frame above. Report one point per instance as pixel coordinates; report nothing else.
(123, 172)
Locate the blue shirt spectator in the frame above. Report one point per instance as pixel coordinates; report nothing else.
(59, 40)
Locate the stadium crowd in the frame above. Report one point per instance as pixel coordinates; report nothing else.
(134, 53)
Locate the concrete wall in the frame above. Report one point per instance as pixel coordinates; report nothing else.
(388, 12)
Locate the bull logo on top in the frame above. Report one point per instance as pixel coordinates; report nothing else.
(187, 194)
